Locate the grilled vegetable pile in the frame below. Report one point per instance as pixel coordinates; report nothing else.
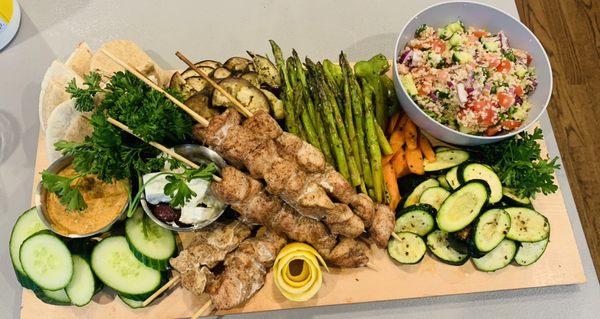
(63, 271)
(461, 209)
(341, 111)
(254, 82)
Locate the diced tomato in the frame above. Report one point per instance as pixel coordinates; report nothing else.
(519, 90)
(478, 106)
(510, 125)
(529, 59)
(486, 117)
(438, 46)
(493, 130)
(504, 66)
(480, 33)
(505, 100)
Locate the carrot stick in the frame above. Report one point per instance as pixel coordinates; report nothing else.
(414, 159)
(401, 123)
(426, 148)
(392, 185)
(392, 124)
(386, 159)
(399, 162)
(396, 141)
(410, 135)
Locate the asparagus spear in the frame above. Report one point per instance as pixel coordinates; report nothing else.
(385, 146)
(307, 127)
(319, 124)
(355, 178)
(348, 119)
(287, 94)
(336, 143)
(306, 92)
(372, 142)
(357, 111)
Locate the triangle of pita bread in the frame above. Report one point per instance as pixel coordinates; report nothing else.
(53, 86)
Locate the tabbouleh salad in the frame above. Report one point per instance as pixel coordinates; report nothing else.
(468, 78)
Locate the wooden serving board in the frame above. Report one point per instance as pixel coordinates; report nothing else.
(560, 265)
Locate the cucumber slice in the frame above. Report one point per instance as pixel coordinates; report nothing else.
(47, 261)
(529, 253)
(452, 178)
(438, 244)
(413, 198)
(409, 249)
(135, 304)
(416, 219)
(151, 244)
(490, 229)
(116, 266)
(53, 297)
(527, 225)
(498, 258)
(472, 171)
(515, 200)
(26, 225)
(462, 207)
(446, 159)
(434, 196)
(83, 285)
(444, 182)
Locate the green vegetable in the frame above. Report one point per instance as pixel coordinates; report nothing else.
(385, 146)
(348, 115)
(520, 166)
(373, 144)
(286, 94)
(63, 187)
(84, 98)
(371, 71)
(177, 187)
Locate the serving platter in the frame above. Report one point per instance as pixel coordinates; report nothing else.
(387, 280)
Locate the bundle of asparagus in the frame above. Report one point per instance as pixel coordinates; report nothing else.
(341, 111)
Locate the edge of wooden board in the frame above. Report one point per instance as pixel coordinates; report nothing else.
(560, 265)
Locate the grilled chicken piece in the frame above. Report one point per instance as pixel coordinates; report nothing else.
(217, 129)
(264, 157)
(195, 280)
(210, 245)
(363, 206)
(245, 270)
(342, 221)
(383, 225)
(269, 210)
(292, 148)
(263, 125)
(349, 253)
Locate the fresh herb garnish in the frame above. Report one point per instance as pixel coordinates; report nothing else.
(63, 187)
(177, 187)
(520, 165)
(420, 30)
(510, 56)
(84, 98)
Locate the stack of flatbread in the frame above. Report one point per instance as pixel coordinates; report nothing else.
(58, 117)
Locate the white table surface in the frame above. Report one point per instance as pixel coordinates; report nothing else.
(220, 29)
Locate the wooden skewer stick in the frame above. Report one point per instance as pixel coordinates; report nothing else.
(139, 75)
(172, 282)
(372, 266)
(395, 236)
(161, 147)
(240, 107)
(207, 305)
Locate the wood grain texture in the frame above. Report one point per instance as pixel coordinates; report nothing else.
(560, 265)
(569, 31)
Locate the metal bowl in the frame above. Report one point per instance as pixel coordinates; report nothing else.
(200, 155)
(42, 194)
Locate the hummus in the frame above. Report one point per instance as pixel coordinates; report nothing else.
(105, 202)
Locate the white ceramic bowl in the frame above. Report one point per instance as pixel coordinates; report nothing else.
(494, 20)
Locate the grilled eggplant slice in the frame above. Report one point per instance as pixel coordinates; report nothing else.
(200, 103)
(249, 95)
(276, 105)
(251, 77)
(237, 64)
(267, 72)
(178, 83)
(210, 63)
(198, 84)
(221, 73)
(189, 72)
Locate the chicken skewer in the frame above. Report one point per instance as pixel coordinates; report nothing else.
(248, 197)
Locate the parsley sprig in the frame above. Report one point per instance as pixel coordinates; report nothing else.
(520, 166)
(66, 189)
(84, 98)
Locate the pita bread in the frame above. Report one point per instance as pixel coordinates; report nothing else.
(65, 123)
(80, 59)
(128, 52)
(52, 91)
